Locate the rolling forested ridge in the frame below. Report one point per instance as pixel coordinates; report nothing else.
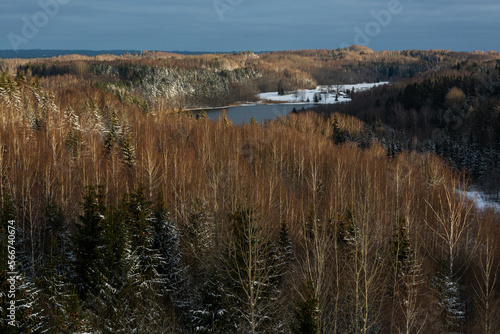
(128, 214)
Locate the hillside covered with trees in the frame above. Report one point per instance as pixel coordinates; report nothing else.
(162, 81)
(453, 112)
(132, 215)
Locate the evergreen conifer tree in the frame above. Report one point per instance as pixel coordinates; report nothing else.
(212, 312)
(88, 242)
(281, 88)
(199, 236)
(307, 313)
(60, 302)
(167, 243)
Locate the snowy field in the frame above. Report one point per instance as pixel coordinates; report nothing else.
(307, 95)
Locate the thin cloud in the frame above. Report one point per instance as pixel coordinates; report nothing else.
(253, 25)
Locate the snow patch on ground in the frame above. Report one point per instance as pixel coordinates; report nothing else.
(480, 200)
(303, 95)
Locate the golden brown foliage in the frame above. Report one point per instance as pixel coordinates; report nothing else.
(53, 146)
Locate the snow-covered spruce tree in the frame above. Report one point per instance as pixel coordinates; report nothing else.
(174, 273)
(59, 299)
(102, 263)
(139, 219)
(147, 298)
(61, 303)
(114, 273)
(88, 243)
(128, 147)
(450, 304)
(113, 130)
(29, 318)
(10, 92)
(131, 298)
(73, 137)
(198, 233)
(211, 313)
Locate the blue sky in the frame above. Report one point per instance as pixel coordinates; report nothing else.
(257, 25)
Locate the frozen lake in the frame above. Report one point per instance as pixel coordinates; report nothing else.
(297, 99)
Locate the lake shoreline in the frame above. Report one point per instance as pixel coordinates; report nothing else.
(247, 104)
(273, 98)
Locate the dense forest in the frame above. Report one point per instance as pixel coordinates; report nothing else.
(454, 113)
(131, 215)
(159, 81)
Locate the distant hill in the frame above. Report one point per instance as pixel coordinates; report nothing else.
(360, 48)
(38, 53)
